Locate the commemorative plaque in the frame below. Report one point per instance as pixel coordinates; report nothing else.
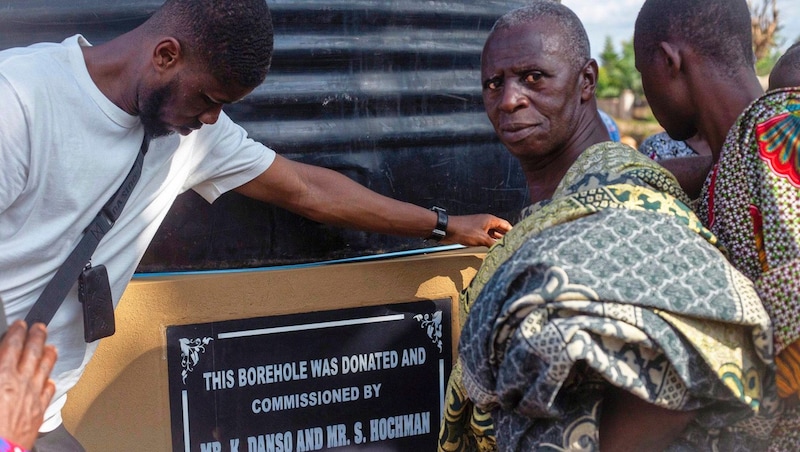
(363, 379)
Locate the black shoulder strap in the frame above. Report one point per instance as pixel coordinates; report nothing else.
(57, 289)
(3, 320)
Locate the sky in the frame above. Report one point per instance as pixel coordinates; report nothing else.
(615, 18)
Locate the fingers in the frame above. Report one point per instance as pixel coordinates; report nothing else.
(38, 361)
(34, 347)
(475, 230)
(501, 226)
(25, 386)
(41, 379)
(23, 351)
(48, 391)
(11, 345)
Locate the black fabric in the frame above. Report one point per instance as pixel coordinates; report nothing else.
(58, 440)
(3, 319)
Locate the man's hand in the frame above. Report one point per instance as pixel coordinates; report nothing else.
(475, 230)
(25, 387)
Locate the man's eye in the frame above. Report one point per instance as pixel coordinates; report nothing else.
(492, 84)
(533, 77)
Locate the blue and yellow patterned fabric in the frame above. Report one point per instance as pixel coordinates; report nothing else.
(614, 281)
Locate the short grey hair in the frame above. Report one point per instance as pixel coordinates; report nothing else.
(574, 36)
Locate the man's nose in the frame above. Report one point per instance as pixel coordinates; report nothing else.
(513, 98)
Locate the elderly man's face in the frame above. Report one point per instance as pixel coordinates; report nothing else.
(531, 89)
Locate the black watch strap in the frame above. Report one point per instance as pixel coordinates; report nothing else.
(440, 231)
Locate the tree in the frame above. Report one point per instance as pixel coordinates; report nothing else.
(609, 82)
(631, 79)
(764, 20)
(618, 71)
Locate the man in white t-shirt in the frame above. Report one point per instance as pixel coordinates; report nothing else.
(74, 116)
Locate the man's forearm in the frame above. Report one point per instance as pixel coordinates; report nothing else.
(629, 424)
(329, 197)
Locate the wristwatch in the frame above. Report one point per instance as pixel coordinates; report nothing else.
(440, 231)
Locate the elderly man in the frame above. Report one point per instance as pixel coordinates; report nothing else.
(609, 298)
(698, 74)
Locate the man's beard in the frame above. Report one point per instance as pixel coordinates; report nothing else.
(153, 104)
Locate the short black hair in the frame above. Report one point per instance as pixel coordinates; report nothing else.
(786, 71)
(233, 38)
(575, 39)
(719, 30)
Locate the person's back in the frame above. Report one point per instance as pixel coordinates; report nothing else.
(750, 197)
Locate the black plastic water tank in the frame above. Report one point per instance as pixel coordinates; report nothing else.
(384, 91)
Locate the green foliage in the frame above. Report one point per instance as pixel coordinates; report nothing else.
(609, 56)
(764, 65)
(606, 88)
(618, 71)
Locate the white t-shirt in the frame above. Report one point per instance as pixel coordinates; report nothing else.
(64, 150)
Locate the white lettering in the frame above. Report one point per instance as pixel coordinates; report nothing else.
(273, 373)
(309, 439)
(211, 447)
(400, 426)
(305, 399)
(371, 391)
(337, 436)
(273, 442)
(369, 361)
(324, 367)
(414, 356)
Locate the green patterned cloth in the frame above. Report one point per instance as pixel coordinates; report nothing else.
(612, 282)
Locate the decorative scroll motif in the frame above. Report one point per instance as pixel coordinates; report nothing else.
(433, 325)
(190, 353)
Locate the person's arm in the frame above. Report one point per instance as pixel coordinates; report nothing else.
(629, 424)
(691, 172)
(25, 386)
(329, 197)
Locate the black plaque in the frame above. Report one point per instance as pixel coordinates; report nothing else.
(364, 379)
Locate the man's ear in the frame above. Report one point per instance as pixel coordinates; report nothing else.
(671, 56)
(589, 75)
(167, 54)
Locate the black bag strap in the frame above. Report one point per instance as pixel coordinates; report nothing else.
(57, 289)
(3, 319)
